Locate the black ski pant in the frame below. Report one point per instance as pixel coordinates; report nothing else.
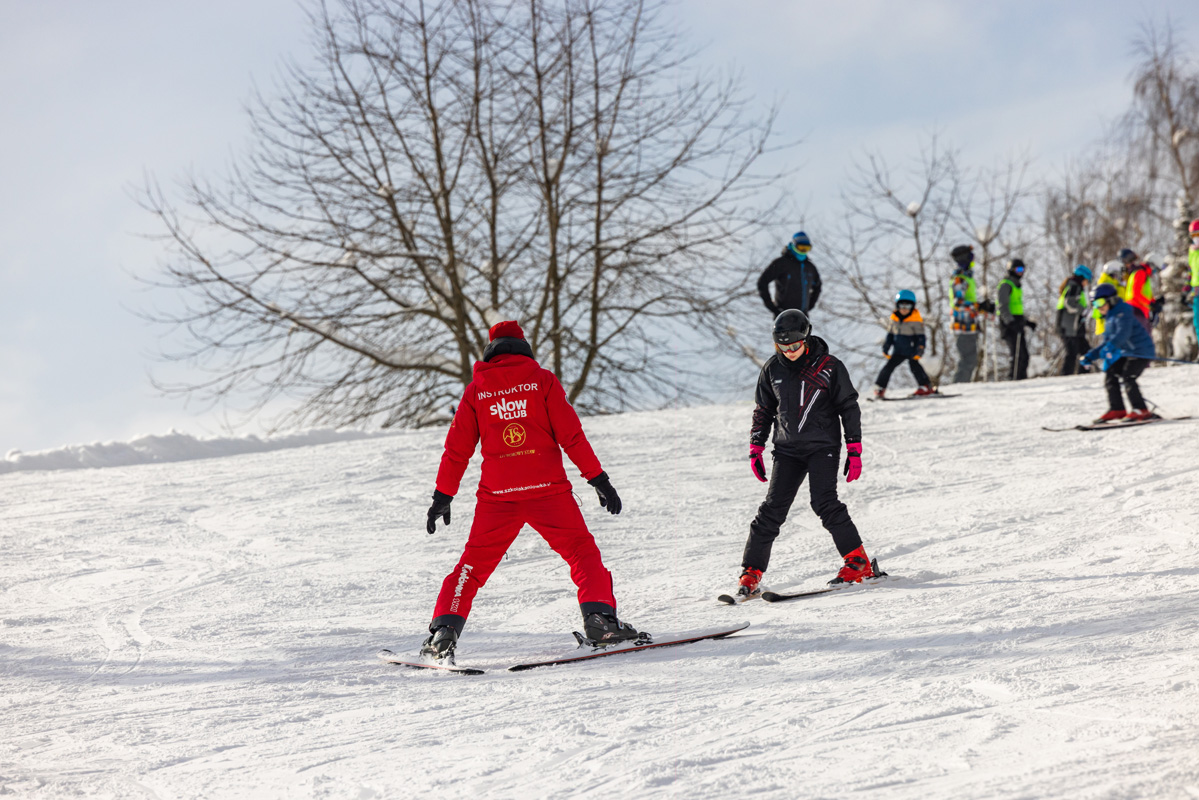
(884, 375)
(1075, 347)
(1125, 371)
(1014, 336)
(786, 475)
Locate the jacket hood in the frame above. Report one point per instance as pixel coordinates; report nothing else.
(507, 344)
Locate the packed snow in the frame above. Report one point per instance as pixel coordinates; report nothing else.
(207, 628)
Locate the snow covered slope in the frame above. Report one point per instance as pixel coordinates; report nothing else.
(207, 628)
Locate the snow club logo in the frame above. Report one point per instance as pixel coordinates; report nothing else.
(462, 576)
(510, 409)
(514, 435)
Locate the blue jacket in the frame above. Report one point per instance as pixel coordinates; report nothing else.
(1123, 336)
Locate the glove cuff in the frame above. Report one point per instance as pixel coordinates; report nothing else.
(854, 448)
(599, 480)
(442, 497)
(756, 450)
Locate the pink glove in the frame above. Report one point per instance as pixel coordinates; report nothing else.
(853, 461)
(755, 462)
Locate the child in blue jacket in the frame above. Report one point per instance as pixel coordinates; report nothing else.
(905, 342)
(1124, 354)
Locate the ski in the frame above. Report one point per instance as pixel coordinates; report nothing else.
(395, 658)
(879, 577)
(636, 646)
(914, 397)
(736, 600)
(1103, 426)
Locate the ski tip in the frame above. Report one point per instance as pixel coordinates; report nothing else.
(727, 599)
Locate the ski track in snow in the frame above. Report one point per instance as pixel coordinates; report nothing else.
(208, 628)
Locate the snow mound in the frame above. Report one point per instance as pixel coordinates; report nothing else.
(172, 446)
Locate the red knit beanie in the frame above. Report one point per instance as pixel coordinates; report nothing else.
(510, 329)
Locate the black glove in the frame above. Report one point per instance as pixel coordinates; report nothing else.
(1156, 304)
(608, 497)
(1030, 324)
(987, 306)
(440, 508)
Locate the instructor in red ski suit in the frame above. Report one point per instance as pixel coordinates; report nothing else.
(521, 415)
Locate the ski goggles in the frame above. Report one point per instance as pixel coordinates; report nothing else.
(1018, 270)
(802, 248)
(792, 347)
(905, 306)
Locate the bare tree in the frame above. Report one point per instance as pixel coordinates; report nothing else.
(991, 214)
(894, 230)
(447, 165)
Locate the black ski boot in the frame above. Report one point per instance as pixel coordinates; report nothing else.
(440, 644)
(607, 629)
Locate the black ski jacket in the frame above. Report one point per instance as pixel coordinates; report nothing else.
(807, 402)
(796, 284)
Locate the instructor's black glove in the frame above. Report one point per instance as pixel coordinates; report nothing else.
(1029, 323)
(440, 508)
(608, 497)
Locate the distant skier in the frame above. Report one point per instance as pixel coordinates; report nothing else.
(520, 413)
(795, 278)
(905, 342)
(806, 395)
(1126, 346)
(1072, 313)
(1138, 287)
(1010, 306)
(963, 294)
(1193, 289)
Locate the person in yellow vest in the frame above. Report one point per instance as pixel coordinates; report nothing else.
(1138, 289)
(1193, 290)
(1010, 307)
(963, 301)
(1072, 311)
(1110, 270)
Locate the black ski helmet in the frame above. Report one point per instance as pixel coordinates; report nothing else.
(1127, 256)
(1014, 263)
(791, 326)
(963, 254)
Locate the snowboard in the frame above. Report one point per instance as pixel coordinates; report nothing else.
(649, 642)
(395, 658)
(1104, 426)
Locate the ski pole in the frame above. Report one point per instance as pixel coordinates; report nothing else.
(1173, 360)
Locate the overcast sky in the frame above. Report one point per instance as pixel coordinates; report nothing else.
(94, 95)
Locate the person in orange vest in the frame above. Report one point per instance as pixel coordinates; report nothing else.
(1138, 289)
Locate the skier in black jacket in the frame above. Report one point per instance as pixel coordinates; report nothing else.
(796, 281)
(806, 395)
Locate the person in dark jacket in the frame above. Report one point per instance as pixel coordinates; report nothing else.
(806, 396)
(1124, 354)
(905, 342)
(1010, 307)
(795, 278)
(1073, 311)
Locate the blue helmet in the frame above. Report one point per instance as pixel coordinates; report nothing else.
(1104, 290)
(801, 238)
(905, 296)
(1084, 272)
(1127, 256)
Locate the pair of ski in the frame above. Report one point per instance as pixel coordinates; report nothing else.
(776, 597)
(644, 642)
(1105, 426)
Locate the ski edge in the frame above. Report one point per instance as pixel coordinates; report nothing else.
(390, 657)
(1108, 426)
(650, 646)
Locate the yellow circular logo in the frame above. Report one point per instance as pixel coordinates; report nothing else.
(514, 435)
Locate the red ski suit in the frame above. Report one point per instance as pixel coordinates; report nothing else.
(520, 413)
